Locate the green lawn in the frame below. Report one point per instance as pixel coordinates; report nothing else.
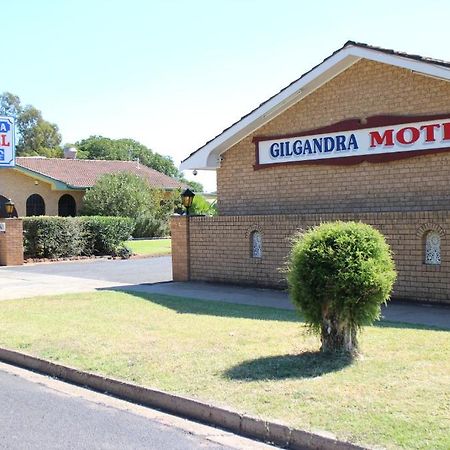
(257, 360)
(151, 247)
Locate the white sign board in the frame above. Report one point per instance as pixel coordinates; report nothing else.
(2, 227)
(409, 137)
(7, 147)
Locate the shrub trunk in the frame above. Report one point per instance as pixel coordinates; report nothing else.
(338, 336)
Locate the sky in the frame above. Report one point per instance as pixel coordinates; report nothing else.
(173, 74)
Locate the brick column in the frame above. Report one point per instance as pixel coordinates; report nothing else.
(11, 243)
(179, 227)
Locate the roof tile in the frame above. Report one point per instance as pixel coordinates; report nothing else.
(83, 173)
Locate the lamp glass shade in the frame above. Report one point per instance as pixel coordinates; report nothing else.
(187, 197)
(9, 207)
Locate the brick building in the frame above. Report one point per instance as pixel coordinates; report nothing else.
(56, 186)
(365, 135)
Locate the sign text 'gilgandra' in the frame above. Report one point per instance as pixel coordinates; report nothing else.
(7, 151)
(369, 141)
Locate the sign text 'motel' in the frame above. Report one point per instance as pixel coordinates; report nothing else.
(369, 141)
(7, 150)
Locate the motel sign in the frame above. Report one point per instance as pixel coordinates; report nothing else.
(7, 148)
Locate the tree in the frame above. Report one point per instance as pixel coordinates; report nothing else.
(120, 194)
(194, 186)
(35, 136)
(338, 275)
(10, 105)
(100, 147)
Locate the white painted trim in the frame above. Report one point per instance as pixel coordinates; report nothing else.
(208, 157)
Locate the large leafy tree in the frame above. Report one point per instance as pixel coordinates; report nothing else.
(100, 147)
(35, 135)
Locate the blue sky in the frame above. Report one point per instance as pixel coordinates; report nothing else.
(173, 74)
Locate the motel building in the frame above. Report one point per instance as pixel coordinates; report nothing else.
(365, 136)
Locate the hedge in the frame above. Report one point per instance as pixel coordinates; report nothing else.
(58, 237)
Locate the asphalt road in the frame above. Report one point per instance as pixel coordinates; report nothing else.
(131, 271)
(39, 412)
(65, 277)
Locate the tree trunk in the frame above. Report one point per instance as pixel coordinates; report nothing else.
(338, 337)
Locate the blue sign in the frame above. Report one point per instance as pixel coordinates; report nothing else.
(7, 147)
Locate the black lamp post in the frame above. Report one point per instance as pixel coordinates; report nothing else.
(9, 208)
(186, 198)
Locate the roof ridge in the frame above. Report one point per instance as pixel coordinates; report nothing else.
(349, 43)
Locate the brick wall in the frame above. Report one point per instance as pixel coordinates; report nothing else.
(404, 199)
(11, 243)
(220, 249)
(365, 89)
(180, 226)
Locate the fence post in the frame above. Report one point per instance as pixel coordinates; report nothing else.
(179, 227)
(11, 242)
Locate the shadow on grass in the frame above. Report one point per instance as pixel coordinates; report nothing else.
(305, 365)
(185, 305)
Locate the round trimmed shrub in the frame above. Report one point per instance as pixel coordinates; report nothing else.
(339, 275)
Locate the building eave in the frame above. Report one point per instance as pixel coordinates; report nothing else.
(56, 185)
(208, 157)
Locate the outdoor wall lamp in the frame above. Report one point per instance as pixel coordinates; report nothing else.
(9, 208)
(186, 198)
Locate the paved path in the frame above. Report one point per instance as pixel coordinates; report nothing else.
(65, 277)
(38, 412)
(433, 315)
(155, 275)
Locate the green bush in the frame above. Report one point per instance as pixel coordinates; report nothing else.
(57, 237)
(53, 237)
(103, 234)
(149, 225)
(201, 206)
(339, 274)
(128, 195)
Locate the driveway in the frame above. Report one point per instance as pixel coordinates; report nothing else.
(65, 277)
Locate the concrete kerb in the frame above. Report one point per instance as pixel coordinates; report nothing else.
(252, 427)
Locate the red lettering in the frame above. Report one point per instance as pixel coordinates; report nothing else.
(385, 139)
(415, 135)
(429, 131)
(446, 127)
(3, 142)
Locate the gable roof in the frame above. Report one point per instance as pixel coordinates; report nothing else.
(208, 156)
(83, 173)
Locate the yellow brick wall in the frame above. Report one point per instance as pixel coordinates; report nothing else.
(18, 187)
(220, 249)
(365, 89)
(179, 227)
(11, 243)
(403, 199)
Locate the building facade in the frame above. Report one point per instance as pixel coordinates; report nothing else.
(56, 187)
(277, 176)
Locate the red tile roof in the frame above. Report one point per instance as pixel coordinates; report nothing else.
(83, 173)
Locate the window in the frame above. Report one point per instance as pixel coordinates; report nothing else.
(67, 206)
(432, 248)
(256, 244)
(35, 205)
